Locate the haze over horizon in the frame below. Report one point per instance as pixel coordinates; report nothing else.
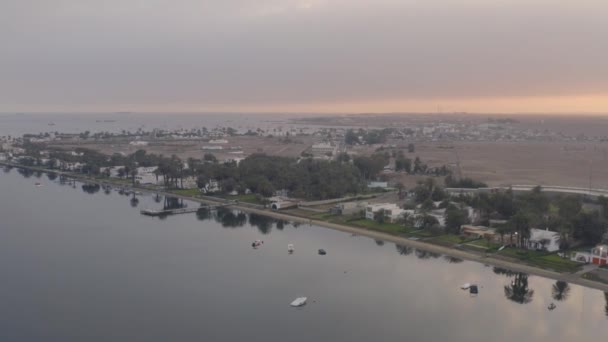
(325, 56)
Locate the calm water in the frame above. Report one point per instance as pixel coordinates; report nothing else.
(18, 124)
(86, 266)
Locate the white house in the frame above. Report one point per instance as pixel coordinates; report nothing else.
(543, 239)
(212, 186)
(138, 143)
(147, 175)
(391, 211)
(3, 156)
(113, 170)
(382, 185)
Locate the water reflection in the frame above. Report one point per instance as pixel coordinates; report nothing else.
(560, 290)
(228, 218)
(503, 271)
(404, 250)
(452, 260)
(27, 173)
(203, 214)
(280, 224)
(263, 223)
(379, 242)
(90, 188)
(37, 174)
(422, 254)
(7, 169)
(51, 176)
(518, 290)
(606, 305)
(134, 201)
(173, 203)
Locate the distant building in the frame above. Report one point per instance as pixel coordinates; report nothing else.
(323, 150)
(218, 141)
(138, 143)
(212, 148)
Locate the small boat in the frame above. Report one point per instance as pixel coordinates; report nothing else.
(502, 247)
(465, 286)
(322, 251)
(298, 301)
(290, 248)
(38, 184)
(551, 306)
(257, 243)
(473, 290)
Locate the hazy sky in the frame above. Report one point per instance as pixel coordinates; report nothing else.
(304, 55)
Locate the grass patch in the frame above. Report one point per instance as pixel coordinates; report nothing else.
(543, 259)
(392, 228)
(187, 192)
(248, 198)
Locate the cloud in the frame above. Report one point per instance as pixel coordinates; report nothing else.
(273, 52)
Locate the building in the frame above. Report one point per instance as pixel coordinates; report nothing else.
(599, 255)
(323, 150)
(111, 170)
(147, 175)
(543, 240)
(218, 141)
(138, 143)
(348, 208)
(381, 185)
(391, 211)
(480, 232)
(278, 203)
(212, 148)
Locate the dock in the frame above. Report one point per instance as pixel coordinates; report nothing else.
(165, 212)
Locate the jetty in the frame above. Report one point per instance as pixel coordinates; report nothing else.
(165, 212)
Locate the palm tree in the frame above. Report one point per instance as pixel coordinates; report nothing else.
(560, 290)
(518, 291)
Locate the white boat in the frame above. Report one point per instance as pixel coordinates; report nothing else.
(465, 286)
(299, 301)
(290, 248)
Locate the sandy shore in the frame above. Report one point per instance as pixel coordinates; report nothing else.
(465, 255)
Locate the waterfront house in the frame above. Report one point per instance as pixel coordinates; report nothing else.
(599, 255)
(391, 211)
(480, 232)
(543, 240)
(381, 185)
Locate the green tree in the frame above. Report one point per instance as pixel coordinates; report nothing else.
(455, 218)
(521, 226)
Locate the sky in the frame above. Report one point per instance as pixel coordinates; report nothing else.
(304, 55)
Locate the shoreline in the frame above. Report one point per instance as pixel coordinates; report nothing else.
(572, 278)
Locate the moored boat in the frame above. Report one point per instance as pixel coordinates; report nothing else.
(298, 301)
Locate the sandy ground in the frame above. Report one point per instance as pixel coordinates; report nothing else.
(504, 163)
